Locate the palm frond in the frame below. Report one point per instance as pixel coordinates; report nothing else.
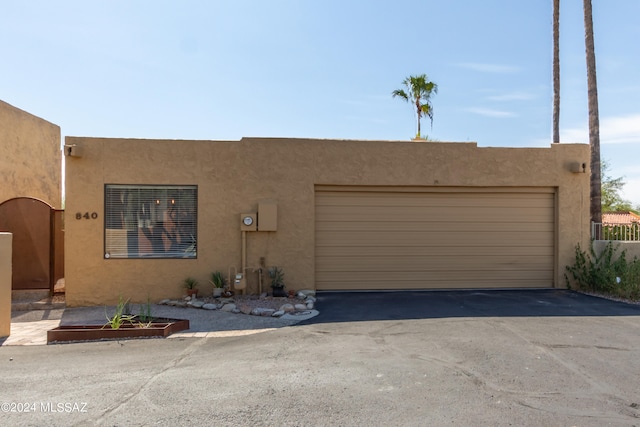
(401, 93)
(427, 110)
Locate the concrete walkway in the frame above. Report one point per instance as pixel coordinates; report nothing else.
(35, 333)
(29, 333)
(30, 327)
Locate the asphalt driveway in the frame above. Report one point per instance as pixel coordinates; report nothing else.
(428, 358)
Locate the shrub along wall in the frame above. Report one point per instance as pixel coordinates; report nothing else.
(606, 268)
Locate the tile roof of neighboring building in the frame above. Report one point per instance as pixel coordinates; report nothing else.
(620, 218)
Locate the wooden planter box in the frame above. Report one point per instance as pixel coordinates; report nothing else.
(158, 328)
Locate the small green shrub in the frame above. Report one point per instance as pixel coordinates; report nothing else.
(145, 311)
(120, 316)
(630, 282)
(606, 273)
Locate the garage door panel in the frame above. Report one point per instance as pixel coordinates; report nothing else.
(444, 238)
(434, 263)
(422, 240)
(464, 251)
(434, 276)
(431, 213)
(421, 284)
(449, 200)
(431, 226)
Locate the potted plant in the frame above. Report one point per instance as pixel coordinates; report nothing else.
(277, 281)
(191, 285)
(217, 280)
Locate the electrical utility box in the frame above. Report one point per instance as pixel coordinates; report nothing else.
(268, 215)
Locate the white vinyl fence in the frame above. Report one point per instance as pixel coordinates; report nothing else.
(620, 232)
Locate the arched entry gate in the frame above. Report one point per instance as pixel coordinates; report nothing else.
(38, 242)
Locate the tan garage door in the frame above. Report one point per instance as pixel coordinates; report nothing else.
(409, 238)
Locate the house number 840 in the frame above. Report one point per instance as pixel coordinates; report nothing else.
(86, 215)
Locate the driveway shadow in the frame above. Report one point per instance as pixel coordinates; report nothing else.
(367, 306)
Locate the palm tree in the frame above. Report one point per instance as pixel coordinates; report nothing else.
(594, 121)
(556, 71)
(418, 92)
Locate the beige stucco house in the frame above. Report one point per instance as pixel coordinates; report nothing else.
(143, 215)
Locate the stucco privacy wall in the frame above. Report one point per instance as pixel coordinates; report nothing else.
(632, 248)
(233, 176)
(6, 240)
(30, 157)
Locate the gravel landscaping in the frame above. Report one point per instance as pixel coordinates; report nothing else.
(297, 306)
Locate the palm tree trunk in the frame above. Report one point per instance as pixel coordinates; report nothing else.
(594, 121)
(418, 113)
(556, 71)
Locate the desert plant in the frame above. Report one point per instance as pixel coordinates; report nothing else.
(217, 279)
(190, 283)
(145, 311)
(119, 317)
(277, 277)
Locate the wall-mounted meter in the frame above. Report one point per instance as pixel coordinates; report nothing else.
(248, 222)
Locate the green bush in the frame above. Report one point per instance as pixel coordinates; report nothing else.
(606, 273)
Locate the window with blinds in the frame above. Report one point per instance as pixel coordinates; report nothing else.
(150, 221)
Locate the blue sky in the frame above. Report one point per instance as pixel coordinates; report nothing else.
(224, 69)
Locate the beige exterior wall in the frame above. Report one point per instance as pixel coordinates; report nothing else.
(233, 176)
(30, 157)
(5, 284)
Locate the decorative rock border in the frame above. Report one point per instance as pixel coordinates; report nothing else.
(300, 307)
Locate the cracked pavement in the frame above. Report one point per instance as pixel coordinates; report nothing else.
(477, 370)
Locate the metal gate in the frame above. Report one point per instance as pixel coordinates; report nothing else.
(38, 242)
